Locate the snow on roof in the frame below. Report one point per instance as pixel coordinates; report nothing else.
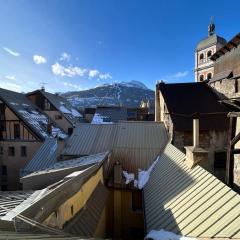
(64, 110)
(99, 119)
(27, 112)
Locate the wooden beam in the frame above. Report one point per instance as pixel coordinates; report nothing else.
(230, 148)
(235, 139)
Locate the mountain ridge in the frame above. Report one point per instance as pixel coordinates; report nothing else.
(127, 94)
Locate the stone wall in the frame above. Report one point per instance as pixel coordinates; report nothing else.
(236, 167)
(227, 88)
(212, 141)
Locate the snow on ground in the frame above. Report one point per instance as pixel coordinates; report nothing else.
(165, 235)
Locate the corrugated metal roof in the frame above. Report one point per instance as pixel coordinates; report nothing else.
(134, 144)
(86, 221)
(45, 157)
(189, 202)
(37, 236)
(9, 200)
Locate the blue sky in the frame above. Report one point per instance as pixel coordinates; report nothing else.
(73, 45)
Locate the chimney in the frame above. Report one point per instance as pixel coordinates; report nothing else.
(117, 173)
(157, 103)
(195, 154)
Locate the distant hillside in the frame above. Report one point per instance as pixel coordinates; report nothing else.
(127, 94)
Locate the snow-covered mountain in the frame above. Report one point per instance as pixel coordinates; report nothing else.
(127, 94)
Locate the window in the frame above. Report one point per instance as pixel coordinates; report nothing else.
(11, 151)
(201, 78)
(4, 170)
(46, 104)
(57, 117)
(201, 56)
(70, 131)
(209, 54)
(137, 201)
(209, 76)
(236, 86)
(220, 159)
(72, 210)
(16, 131)
(23, 151)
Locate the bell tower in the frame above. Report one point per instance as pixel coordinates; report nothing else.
(204, 68)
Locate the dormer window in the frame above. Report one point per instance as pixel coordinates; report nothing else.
(201, 78)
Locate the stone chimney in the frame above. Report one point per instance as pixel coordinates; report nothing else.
(157, 103)
(117, 173)
(195, 154)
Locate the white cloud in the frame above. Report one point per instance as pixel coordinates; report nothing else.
(10, 86)
(10, 51)
(10, 77)
(69, 71)
(93, 73)
(39, 59)
(105, 76)
(181, 74)
(65, 57)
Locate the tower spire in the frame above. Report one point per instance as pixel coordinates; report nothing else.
(211, 27)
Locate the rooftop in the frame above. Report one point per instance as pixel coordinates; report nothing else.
(194, 203)
(210, 41)
(184, 100)
(30, 114)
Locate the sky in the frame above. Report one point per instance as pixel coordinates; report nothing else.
(71, 45)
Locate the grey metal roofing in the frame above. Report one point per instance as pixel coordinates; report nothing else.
(221, 75)
(37, 236)
(56, 172)
(85, 222)
(189, 202)
(111, 114)
(184, 100)
(9, 200)
(30, 114)
(210, 41)
(134, 144)
(45, 157)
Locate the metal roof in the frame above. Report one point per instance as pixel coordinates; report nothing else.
(134, 144)
(110, 114)
(29, 113)
(189, 202)
(57, 171)
(9, 200)
(45, 157)
(86, 221)
(210, 41)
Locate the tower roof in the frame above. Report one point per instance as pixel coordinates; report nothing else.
(212, 38)
(210, 41)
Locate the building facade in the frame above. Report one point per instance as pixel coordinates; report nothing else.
(205, 49)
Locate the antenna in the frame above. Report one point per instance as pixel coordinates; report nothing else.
(42, 84)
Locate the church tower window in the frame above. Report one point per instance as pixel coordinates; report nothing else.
(209, 54)
(209, 76)
(201, 78)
